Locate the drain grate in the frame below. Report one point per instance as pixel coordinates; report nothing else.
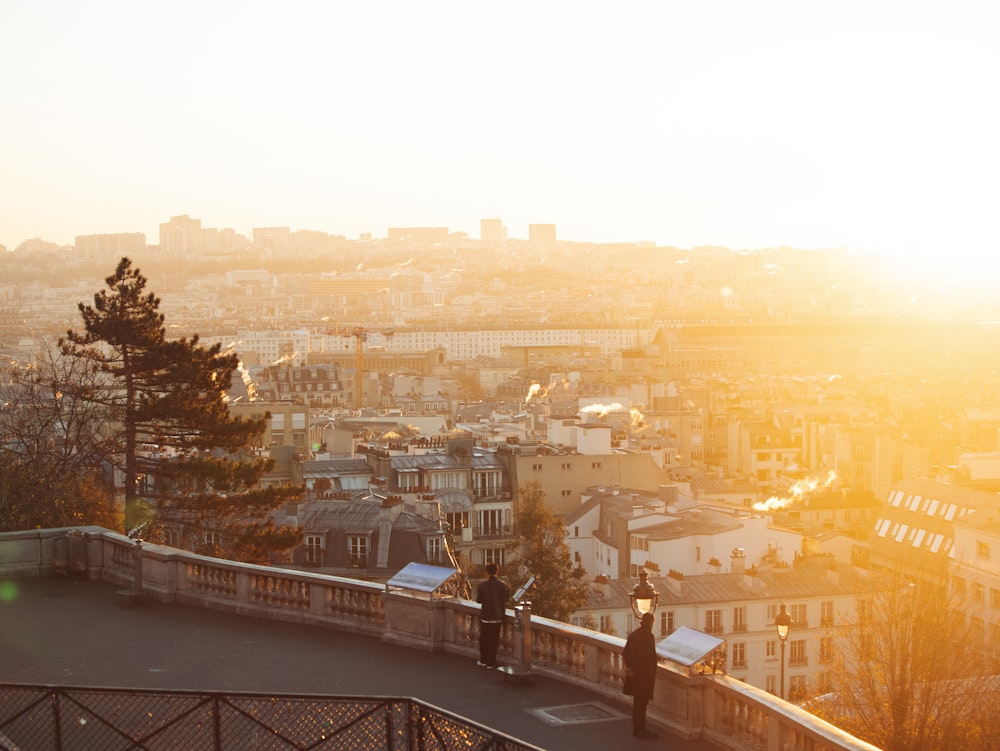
(577, 714)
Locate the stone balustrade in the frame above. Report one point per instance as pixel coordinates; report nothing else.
(728, 713)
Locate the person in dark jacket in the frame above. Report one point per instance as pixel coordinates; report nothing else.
(640, 673)
(492, 595)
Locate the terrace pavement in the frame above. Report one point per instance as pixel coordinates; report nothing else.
(74, 632)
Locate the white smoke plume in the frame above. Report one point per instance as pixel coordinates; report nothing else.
(602, 410)
(796, 493)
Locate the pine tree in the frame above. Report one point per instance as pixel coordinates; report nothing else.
(176, 433)
(560, 587)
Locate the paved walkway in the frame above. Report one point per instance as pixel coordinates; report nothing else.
(74, 632)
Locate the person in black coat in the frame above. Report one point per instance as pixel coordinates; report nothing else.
(640, 673)
(492, 595)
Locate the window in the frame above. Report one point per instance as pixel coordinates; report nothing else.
(799, 617)
(798, 686)
(825, 649)
(739, 655)
(826, 613)
(958, 583)
(357, 550)
(434, 549)
(666, 622)
(864, 608)
(595, 465)
(978, 593)
(314, 550)
(606, 625)
(824, 683)
(566, 493)
(771, 651)
(493, 555)
(797, 654)
(639, 542)
(536, 467)
(982, 549)
(739, 620)
(491, 522)
(458, 521)
(713, 622)
(567, 465)
(211, 539)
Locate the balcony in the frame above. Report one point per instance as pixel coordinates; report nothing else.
(323, 635)
(496, 531)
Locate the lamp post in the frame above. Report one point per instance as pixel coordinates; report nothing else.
(782, 622)
(643, 598)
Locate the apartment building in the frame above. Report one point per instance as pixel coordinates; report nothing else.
(739, 607)
(764, 453)
(618, 532)
(318, 386)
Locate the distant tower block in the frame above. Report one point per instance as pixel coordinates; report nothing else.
(542, 233)
(492, 231)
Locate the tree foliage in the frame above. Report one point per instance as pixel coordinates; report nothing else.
(177, 439)
(52, 448)
(560, 588)
(910, 671)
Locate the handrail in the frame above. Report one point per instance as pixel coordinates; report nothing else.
(730, 714)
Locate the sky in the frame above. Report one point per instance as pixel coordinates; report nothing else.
(864, 125)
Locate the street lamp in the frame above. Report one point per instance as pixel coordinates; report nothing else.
(782, 622)
(643, 598)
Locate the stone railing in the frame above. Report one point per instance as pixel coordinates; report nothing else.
(728, 713)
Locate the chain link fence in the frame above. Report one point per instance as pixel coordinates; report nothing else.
(42, 718)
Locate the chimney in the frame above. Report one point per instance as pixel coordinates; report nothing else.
(738, 561)
(668, 494)
(674, 581)
(388, 513)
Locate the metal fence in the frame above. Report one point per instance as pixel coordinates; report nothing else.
(60, 718)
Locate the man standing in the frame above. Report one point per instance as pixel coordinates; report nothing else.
(640, 673)
(492, 595)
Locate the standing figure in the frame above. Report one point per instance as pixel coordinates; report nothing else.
(640, 673)
(492, 595)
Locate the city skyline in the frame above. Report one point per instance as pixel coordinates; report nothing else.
(862, 126)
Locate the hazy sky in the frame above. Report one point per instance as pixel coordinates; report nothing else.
(748, 124)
